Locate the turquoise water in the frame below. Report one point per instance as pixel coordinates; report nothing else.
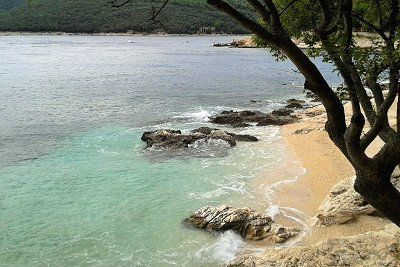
(101, 199)
(77, 187)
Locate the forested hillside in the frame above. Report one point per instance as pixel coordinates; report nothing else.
(91, 16)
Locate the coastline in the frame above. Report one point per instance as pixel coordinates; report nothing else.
(244, 35)
(308, 144)
(326, 167)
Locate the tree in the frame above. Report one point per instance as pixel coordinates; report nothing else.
(330, 23)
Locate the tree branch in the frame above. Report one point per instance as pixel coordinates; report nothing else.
(287, 7)
(260, 9)
(372, 26)
(121, 4)
(245, 21)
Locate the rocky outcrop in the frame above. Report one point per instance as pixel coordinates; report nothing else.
(241, 43)
(237, 118)
(175, 138)
(370, 249)
(249, 223)
(295, 103)
(344, 204)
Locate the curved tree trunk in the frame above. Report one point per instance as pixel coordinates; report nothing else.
(378, 190)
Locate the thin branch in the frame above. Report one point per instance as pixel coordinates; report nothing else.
(276, 24)
(379, 7)
(326, 17)
(121, 4)
(250, 24)
(371, 25)
(260, 9)
(393, 21)
(287, 7)
(155, 14)
(382, 112)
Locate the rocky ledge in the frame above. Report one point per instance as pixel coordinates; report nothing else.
(249, 223)
(343, 204)
(370, 249)
(280, 116)
(176, 139)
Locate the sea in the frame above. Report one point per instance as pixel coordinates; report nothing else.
(78, 187)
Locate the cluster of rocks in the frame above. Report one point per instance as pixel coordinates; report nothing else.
(250, 224)
(176, 139)
(280, 116)
(380, 248)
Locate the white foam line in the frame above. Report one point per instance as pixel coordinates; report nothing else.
(306, 228)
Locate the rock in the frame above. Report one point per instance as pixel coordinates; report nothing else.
(278, 120)
(204, 130)
(241, 125)
(242, 118)
(175, 139)
(380, 248)
(344, 204)
(222, 44)
(294, 103)
(314, 97)
(249, 223)
(168, 138)
(222, 135)
(282, 112)
(245, 138)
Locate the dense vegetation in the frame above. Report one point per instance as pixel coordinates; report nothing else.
(91, 16)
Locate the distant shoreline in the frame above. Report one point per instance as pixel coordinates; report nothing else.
(113, 34)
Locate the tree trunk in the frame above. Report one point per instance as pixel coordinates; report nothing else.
(378, 190)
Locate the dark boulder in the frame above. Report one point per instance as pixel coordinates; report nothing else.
(294, 103)
(175, 138)
(281, 116)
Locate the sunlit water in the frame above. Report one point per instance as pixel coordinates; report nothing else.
(77, 186)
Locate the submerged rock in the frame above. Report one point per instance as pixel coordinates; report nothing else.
(249, 223)
(242, 118)
(343, 204)
(175, 138)
(370, 249)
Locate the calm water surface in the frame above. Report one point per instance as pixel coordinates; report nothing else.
(76, 185)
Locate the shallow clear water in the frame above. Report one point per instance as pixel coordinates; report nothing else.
(76, 185)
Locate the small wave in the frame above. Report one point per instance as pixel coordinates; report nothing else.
(224, 250)
(199, 115)
(272, 211)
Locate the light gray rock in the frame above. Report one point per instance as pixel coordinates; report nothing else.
(249, 223)
(343, 204)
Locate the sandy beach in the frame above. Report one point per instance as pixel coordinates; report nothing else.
(308, 143)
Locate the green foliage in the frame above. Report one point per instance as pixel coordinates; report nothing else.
(94, 16)
(304, 17)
